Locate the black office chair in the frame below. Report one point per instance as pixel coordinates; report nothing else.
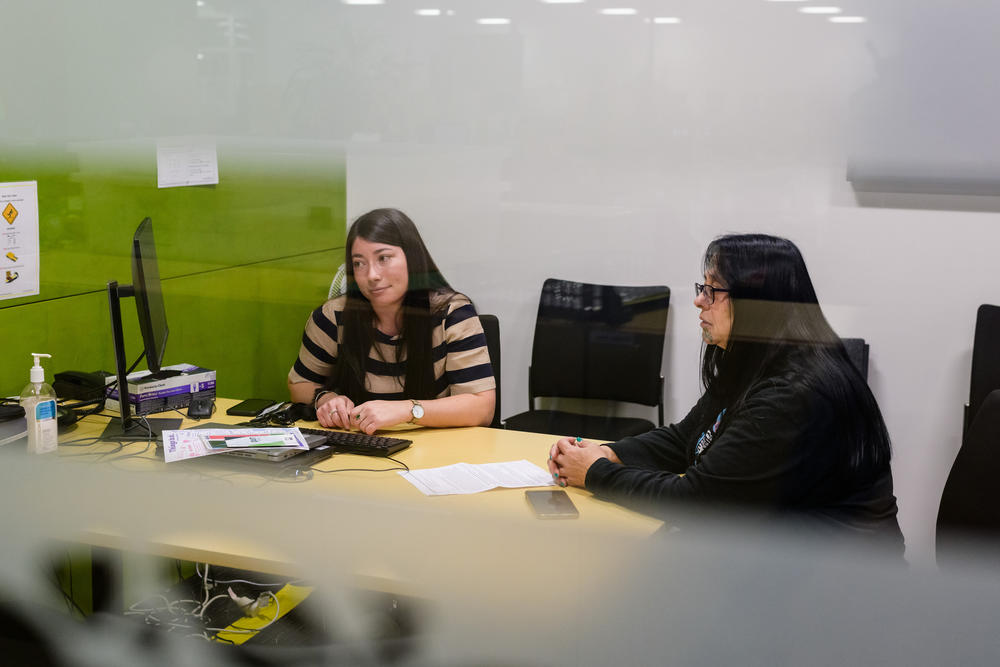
(968, 522)
(595, 342)
(491, 327)
(857, 350)
(969, 514)
(985, 375)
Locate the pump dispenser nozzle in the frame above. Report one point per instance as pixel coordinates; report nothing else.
(37, 372)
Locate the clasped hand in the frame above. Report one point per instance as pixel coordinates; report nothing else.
(571, 458)
(340, 412)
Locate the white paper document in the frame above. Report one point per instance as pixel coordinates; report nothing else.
(19, 247)
(180, 445)
(186, 161)
(470, 478)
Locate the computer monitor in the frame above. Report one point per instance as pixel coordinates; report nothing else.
(152, 315)
(148, 295)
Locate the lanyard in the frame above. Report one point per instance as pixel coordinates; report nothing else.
(708, 436)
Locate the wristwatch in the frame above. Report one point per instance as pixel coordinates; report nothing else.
(417, 411)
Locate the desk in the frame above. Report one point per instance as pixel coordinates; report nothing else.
(492, 579)
(380, 490)
(513, 590)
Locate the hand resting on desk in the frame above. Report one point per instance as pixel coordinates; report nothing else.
(571, 458)
(373, 415)
(334, 411)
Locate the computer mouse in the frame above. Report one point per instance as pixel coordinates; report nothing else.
(200, 408)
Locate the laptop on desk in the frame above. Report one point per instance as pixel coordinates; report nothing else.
(263, 459)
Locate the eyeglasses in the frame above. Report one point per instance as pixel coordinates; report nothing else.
(708, 291)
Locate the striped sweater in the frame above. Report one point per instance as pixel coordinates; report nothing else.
(458, 350)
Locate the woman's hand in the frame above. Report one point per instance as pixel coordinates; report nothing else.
(571, 458)
(554, 452)
(334, 411)
(373, 415)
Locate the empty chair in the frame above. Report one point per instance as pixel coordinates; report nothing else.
(968, 522)
(985, 375)
(969, 513)
(595, 342)
(491, 327)
(857, 350)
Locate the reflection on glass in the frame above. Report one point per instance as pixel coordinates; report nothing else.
(820, 10)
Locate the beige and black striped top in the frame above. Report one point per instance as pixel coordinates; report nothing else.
(458, 349)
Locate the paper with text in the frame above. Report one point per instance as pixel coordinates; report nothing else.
(184, 161)
(462, 478)
(20, 259)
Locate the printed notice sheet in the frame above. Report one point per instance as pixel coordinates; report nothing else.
(468, 478)
(19, 257)
(186, 161)
(194, 442)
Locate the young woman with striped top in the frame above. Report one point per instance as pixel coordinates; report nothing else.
(401, 346)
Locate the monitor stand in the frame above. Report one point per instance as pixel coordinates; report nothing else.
(138, 429)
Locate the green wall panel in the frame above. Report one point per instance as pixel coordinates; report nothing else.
(76, 331)
(246, 322)
(242, 262)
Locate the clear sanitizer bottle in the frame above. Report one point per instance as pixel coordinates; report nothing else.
(39, 402)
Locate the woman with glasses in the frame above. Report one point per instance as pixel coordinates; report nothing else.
(401, 346)
(786, 425)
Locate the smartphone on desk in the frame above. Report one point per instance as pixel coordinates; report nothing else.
(250, 407)
(551, 504)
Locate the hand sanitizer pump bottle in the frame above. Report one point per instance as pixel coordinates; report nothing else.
(39, 403)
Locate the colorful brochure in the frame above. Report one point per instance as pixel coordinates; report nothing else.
(253, 440)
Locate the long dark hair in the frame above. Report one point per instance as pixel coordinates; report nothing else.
(392, 227)
(778, 327)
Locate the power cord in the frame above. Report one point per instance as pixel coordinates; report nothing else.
(190, 614)
(71, 604)
(402, 466)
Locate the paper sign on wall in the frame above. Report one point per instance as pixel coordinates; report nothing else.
(19, 259)
(186, 161)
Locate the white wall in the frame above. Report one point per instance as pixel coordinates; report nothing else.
(600, 148)
(620, 148)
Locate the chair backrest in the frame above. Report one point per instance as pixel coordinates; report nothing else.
(969, 514)
(857, 350)
(338, 286)
(599, 341)
(985, 358)
(491, 327)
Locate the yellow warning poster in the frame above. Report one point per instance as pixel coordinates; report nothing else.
(19, 256)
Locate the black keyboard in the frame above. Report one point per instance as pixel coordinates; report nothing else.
(352, 442)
